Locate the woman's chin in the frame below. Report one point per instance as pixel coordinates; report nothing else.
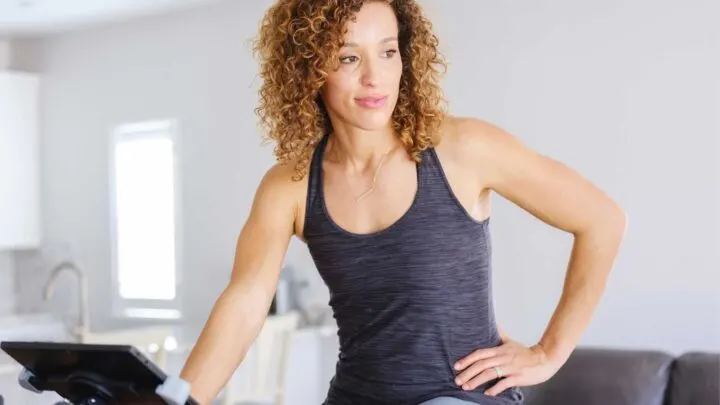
(372, 120)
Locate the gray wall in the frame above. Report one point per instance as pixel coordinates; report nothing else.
(7, 284)
(624, 92)
(4, 53)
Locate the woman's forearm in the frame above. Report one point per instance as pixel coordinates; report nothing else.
(234, 323)
(593, 256)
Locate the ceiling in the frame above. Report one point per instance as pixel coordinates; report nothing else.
(42, 17)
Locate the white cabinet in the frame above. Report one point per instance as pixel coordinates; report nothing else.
(19, 160)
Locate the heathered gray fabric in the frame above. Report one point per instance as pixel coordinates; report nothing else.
(447, 401)
(408, 300)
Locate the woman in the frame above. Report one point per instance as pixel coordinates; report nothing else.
(392, 196)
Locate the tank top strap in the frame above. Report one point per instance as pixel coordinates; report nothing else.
(432, 173)
(313, 201)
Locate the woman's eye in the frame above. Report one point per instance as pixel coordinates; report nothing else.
(348, 59)
(390, 53)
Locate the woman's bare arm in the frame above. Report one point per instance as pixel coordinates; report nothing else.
(563, 199)
(240, 311)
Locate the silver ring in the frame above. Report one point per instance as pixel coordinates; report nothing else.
(499, 371)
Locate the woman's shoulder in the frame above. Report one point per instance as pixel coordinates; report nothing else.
(470, 140)
(288, 178)
(285, 183)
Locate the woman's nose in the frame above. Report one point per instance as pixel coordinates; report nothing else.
(371, 72)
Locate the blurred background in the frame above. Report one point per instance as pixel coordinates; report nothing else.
(128, 142)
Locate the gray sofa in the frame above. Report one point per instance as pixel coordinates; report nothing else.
(597, 376)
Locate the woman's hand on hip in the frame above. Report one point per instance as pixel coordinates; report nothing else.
(513, 364)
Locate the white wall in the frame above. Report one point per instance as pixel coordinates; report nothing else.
(7, 269)
(627, 93)
(624, 92)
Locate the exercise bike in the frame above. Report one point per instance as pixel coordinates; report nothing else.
(94, 374)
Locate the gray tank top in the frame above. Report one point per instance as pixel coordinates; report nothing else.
(409, 300)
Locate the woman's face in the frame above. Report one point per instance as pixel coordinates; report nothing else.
(363, 91)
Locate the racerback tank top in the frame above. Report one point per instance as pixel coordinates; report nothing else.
(409, 300)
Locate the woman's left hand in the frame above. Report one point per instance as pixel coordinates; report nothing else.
(516, 365)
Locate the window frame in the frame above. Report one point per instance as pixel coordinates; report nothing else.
(146, 308)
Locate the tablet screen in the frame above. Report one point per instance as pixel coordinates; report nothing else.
(112, 374)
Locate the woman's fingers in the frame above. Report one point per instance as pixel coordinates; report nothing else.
(488, 375)
(482, 366)
(477, 355)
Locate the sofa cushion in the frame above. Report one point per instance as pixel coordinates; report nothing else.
(598, 376)
(695, 380)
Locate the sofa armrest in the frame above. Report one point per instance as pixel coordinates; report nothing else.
(695, 380)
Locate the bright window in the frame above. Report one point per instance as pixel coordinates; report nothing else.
(145, 219)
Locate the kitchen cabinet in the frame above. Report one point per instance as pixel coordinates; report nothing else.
(19, 160)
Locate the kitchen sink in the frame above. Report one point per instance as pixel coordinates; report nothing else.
(42, 327)
(34, 326)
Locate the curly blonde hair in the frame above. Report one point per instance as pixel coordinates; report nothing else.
(299, 41)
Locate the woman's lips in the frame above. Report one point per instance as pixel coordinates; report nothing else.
(371, 102)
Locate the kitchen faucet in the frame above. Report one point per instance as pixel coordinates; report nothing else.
(80, 331)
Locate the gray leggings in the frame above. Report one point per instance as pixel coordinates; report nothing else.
(447, 401)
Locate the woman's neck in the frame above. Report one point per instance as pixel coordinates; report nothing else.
(360, 150)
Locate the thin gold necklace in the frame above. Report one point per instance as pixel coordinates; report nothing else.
(375, 176)
(374, 181)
